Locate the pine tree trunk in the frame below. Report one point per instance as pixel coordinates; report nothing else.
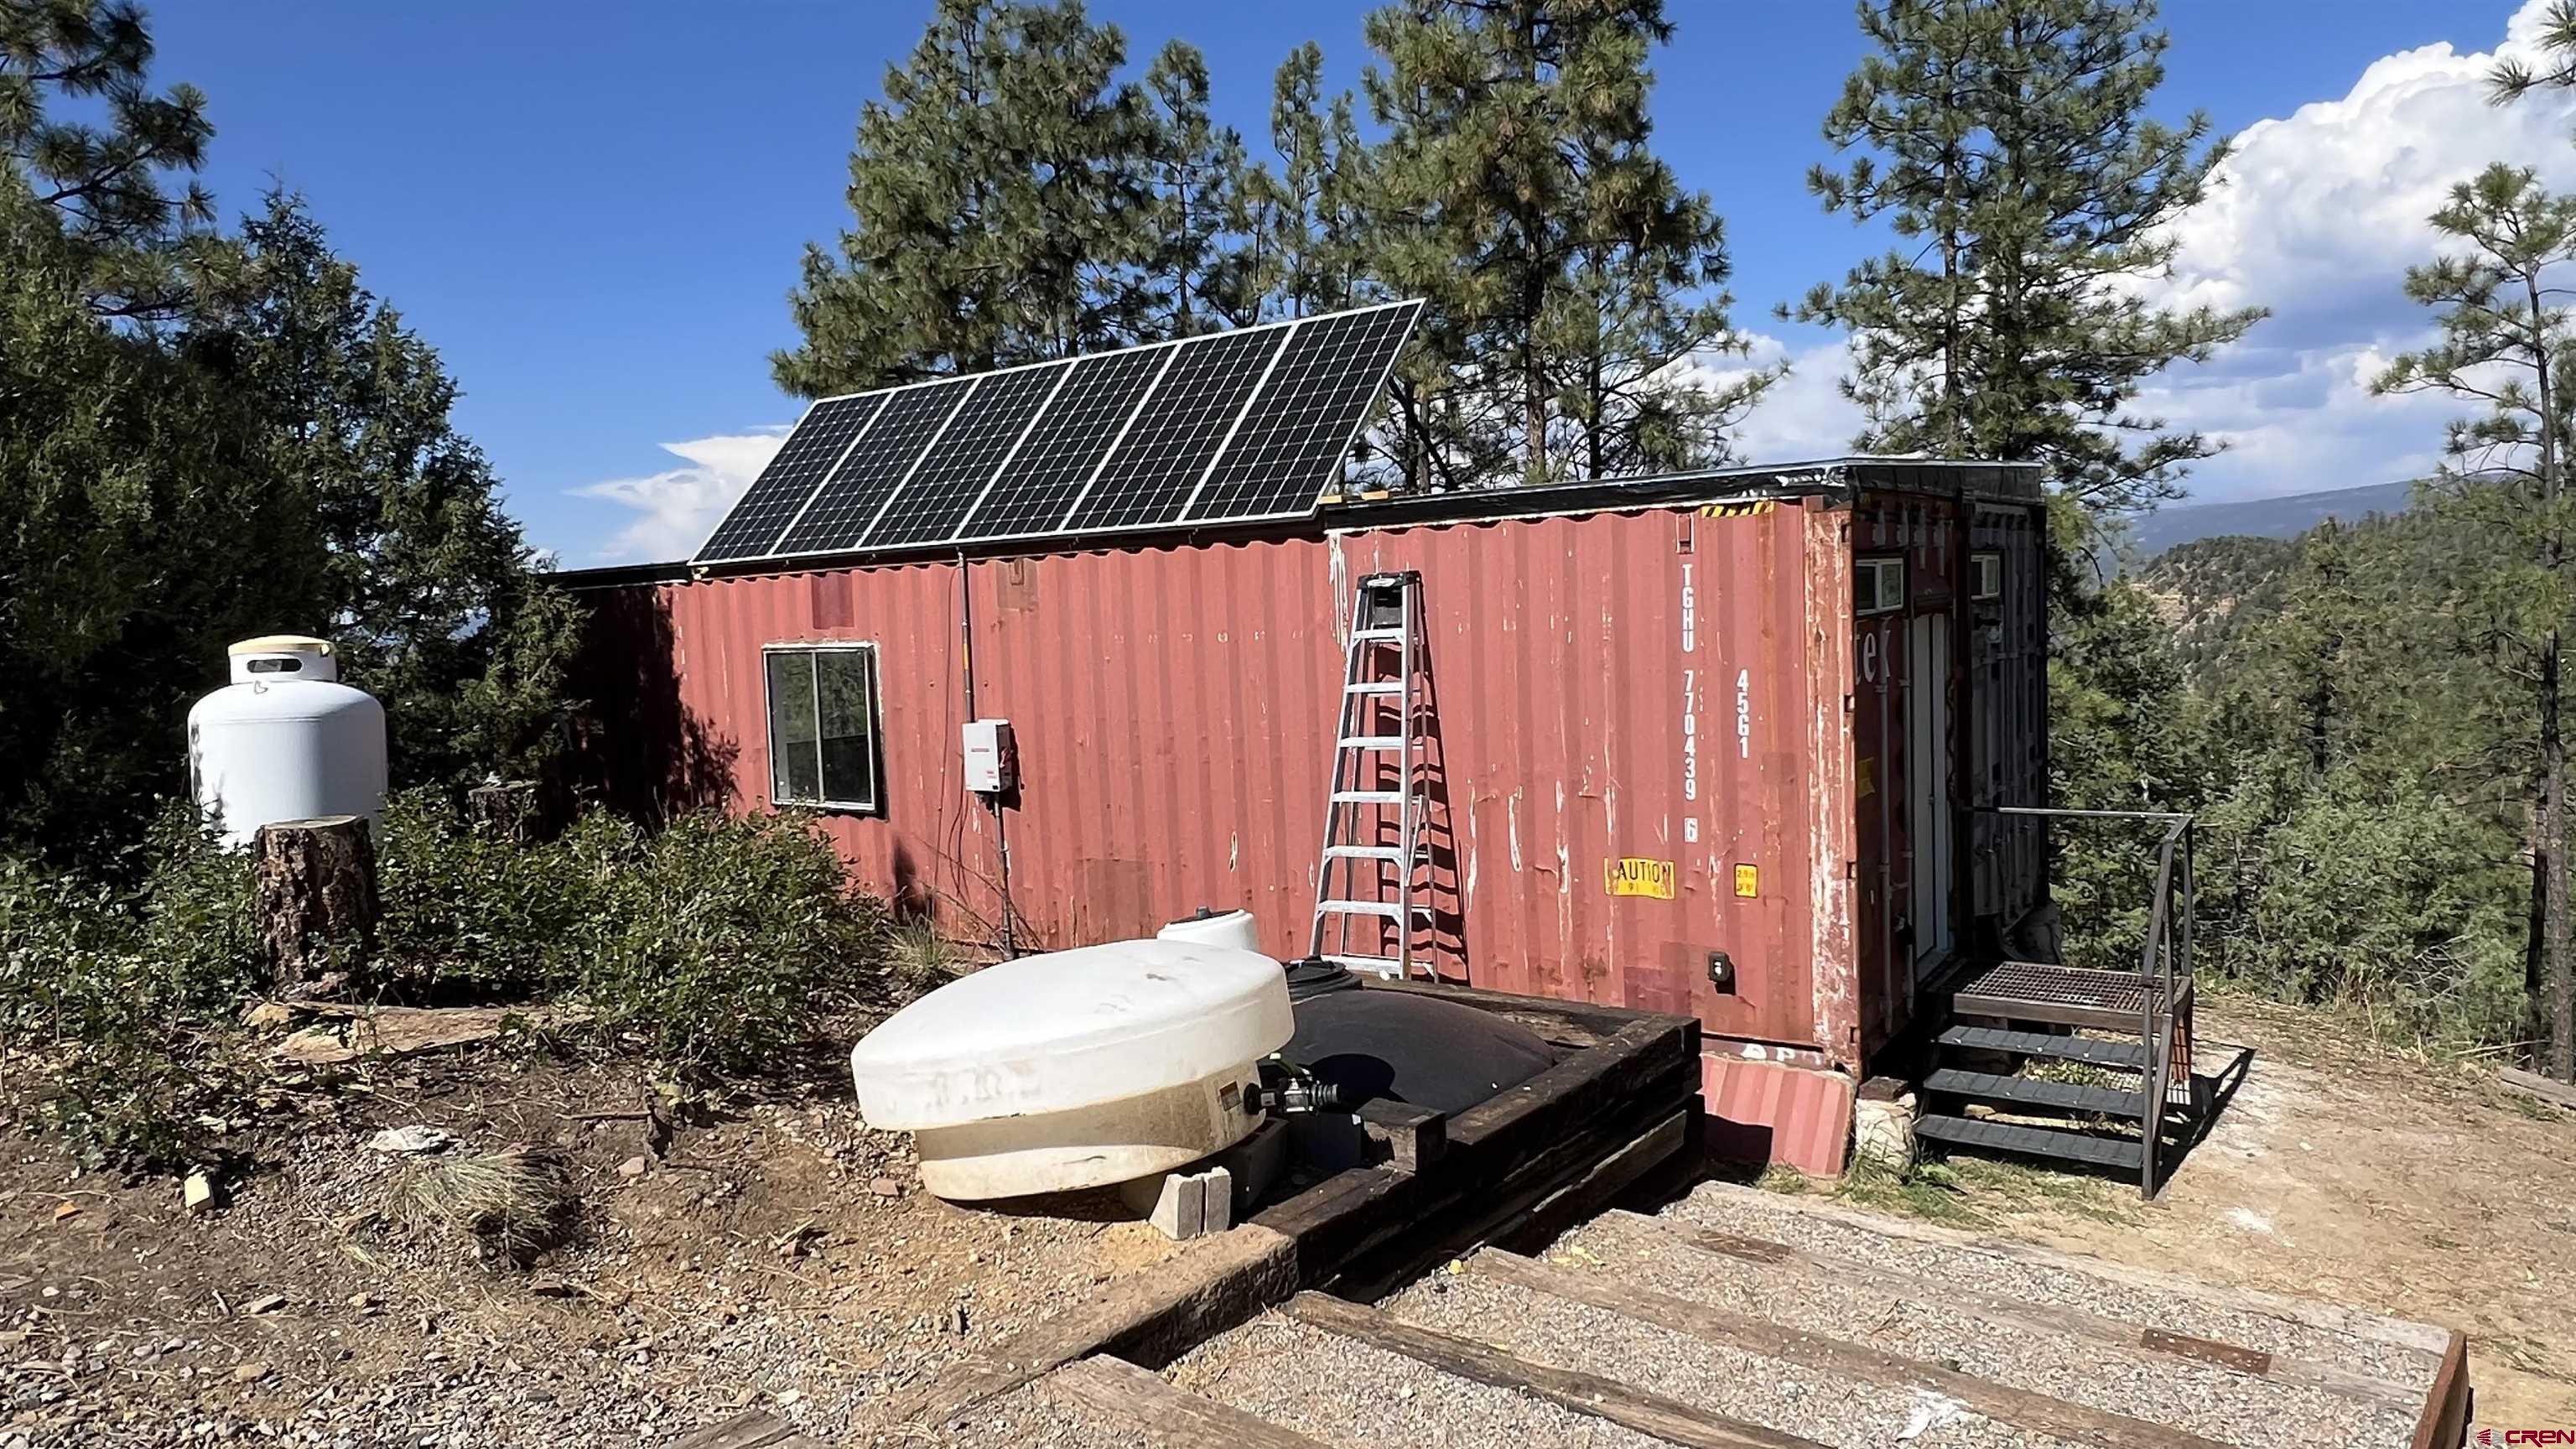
(2554, 1006)
(315, 898)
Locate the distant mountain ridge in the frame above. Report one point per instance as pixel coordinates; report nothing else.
(2286, 517)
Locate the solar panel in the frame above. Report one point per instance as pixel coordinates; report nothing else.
(1073, 435)
(954, 475)
(1250, 424)
(1177, 435)
(1290, 446)
(849, 500)
(783, 486)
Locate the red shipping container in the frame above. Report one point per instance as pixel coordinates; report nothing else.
(1676, 675)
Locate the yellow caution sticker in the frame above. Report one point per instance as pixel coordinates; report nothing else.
(1632, 876)
(1747, 509)
(1748, 881)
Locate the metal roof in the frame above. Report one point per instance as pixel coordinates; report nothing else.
(2017, 483)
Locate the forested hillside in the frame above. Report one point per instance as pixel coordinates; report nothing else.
(2211, 588)
(2351, 715)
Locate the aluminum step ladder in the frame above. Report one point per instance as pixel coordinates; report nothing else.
(1373, 872)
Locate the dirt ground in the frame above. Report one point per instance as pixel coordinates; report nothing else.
(777, 1254)
(2340, 1170)
(780, 1254)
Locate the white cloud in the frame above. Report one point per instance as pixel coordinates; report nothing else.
(2317, 215)
(1804, 415)
(680, 506)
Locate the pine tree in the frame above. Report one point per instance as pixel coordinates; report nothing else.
(103, 181)
(416, 572)
(1002, 202)
(1567, 273)
(2008, 144)
(1307, 217)
(2512, 79)
(2508, 342)
(1200, 273)
(205, 437)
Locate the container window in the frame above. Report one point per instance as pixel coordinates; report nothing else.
(1985, 576)
(823, 726)
(1878, 585)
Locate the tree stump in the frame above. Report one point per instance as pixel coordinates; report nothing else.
(315, 898)
(509, 813)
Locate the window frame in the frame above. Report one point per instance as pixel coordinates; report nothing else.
(1982, 587)
(812, 650)
(1879, 566)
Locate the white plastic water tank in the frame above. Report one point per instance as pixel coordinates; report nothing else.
(1233, 928)
(1077, 1068)
(286, 740)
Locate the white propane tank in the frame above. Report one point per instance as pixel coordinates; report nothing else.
(1077, 1068)
(1234, 928)
(286, 740)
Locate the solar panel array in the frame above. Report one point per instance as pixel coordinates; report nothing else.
(1234, 426)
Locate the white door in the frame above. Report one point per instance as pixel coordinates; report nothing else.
(1927, 752)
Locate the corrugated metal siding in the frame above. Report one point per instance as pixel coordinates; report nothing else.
(1992, 750)
(1605, 686)
(1767, 1112)
(1920, 530)
(2010, 701)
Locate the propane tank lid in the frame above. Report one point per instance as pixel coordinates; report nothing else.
(272, 658)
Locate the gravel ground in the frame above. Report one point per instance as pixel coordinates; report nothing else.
(779, 1256)
(1844, 1413)
(2201, 1398)
(1349, 1395)
(1028, 1417)
(1754, 1214)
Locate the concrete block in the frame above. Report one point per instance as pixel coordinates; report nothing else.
(1216, 1206)
(1176, 1203)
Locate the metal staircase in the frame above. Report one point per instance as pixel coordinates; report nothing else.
(1372, 891)
(2104, 1077)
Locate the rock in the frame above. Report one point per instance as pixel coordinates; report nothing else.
(886, 1187)
(268, 1015)
(1883, 1126)
(249, 1373)
(634, 1167)
(411, 1139)
(199, 1195)
(71, 1210)
(265, 1303)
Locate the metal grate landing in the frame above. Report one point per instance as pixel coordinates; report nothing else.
(2068, 995)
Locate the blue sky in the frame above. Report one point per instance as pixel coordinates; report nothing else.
(595, 212)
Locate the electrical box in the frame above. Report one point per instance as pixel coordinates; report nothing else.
(992, 761)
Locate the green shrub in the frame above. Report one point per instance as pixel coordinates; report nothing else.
(713, 945)
(128, 990)
(469, 917)
(727, 939)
